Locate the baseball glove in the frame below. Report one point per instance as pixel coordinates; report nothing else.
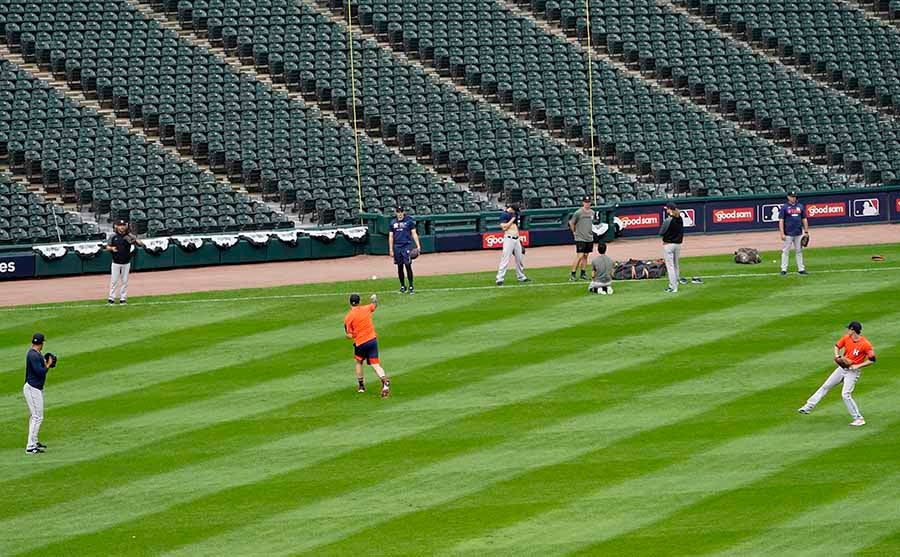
(414, 253)
(804, 241)
(842, 361)
(50, 360)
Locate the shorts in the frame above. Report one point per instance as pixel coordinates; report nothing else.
(584, 247)
(401, 255)
(367, 351)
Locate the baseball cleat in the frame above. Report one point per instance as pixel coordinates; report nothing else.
(858, 422)
(802, 273)
(111, 302)
(123, 303)
(499, 283)
(683, 280)
(803, 410)
(572, 278)
(34, 450)
(360, 389)
(671, 290)
(697, 280)
(783, 273)
(583, 277)
(385, 390)
(526, 279)
(403, 290)
(412, 290)
(603, 292)
(41, 445)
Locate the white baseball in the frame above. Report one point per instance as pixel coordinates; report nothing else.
(374, 277)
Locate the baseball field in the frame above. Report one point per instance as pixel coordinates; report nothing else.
(533, 420)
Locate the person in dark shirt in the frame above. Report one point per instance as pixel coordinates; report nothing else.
(120, 245)
(672, 232)
(35, 376)
(401, 235)
(793, 225)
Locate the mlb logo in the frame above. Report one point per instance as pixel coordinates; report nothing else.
(866, 207)
(771, 213)
(687, 217)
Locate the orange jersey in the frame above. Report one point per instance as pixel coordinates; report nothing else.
(856, 351)
(359, 324)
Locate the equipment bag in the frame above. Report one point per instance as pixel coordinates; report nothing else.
(637, 269)
(747, 256)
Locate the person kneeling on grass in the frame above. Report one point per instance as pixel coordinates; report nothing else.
(601, 272)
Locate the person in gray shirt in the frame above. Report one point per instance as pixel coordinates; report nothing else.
(602, 271)
(581, 224)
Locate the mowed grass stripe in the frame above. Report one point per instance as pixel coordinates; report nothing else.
(95, 332)
(448, 483)
(301, 449)
(217, 400)
(135, 364)
(495, 395)
(738, 466)
(858, 520)
(750, 510)
(639, 502)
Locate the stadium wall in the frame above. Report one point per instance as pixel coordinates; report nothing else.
(454, 232)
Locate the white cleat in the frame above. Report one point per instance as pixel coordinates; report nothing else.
(803, 410)
(858, 422)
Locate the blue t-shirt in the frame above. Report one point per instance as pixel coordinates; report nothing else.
(35, 369)
(402, 230)
(793, 216)
(506, 216)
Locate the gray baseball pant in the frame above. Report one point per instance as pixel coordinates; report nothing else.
(511, 248)
(34, 398)
(849, 377)
(672, 253)
(119, 275)
(786, 251)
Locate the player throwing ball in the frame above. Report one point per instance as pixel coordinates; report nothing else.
(858, 353)
(359, 327)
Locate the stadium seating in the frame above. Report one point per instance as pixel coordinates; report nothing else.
(117, 173)
(520, 66)
(194, 101)
(422, 116)
(26, 218)
(720, 72)
(832, 40)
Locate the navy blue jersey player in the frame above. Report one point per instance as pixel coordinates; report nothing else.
(402, 239)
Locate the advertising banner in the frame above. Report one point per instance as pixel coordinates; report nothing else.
(494, 240)
(760, 214)
(16, 265)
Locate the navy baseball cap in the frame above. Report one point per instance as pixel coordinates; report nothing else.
(37, 338)
(122, 222)
(586, 198)
(399, 209)
(855, 326)
(792, 193)
(354, 299)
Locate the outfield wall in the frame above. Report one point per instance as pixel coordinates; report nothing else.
(453, 232)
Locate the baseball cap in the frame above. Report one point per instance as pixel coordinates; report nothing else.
(122, 222)
(856, 326)
(399, 209)
(37, 338)
(586, 198)
(354, 299)
(792, 193)
(671, 205)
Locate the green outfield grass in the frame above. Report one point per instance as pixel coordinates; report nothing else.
(535, 420)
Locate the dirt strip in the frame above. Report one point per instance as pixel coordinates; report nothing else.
(261, 275)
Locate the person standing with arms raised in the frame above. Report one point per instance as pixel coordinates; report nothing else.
(672, 232)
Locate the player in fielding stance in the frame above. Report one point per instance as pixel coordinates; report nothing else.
(858, 353)
(359, 327)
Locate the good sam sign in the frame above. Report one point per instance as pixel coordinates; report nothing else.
(494, 240)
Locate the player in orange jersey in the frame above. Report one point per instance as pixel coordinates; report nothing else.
(858, 353)
(358, 326)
